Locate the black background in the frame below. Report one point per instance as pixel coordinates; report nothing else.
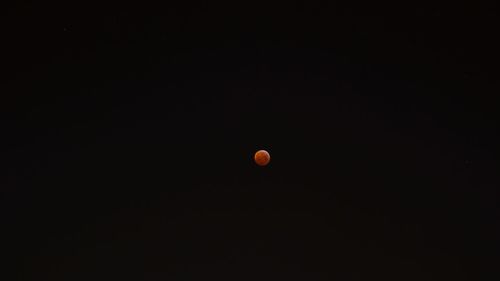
(129, 132)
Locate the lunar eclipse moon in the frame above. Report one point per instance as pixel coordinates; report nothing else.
(262, 157)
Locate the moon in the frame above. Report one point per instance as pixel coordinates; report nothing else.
(262, 157)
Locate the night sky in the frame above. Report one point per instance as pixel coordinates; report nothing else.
(129, 131)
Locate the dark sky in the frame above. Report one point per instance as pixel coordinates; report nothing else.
(129, 133)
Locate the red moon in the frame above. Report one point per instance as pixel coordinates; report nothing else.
(262, 157)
